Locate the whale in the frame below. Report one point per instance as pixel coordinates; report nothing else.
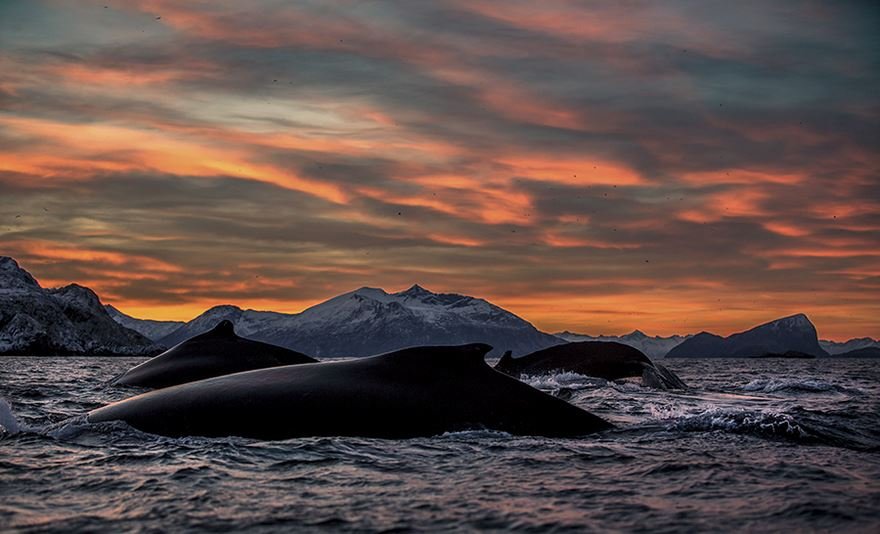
(414, 392)
(602, 359)
(214, 353)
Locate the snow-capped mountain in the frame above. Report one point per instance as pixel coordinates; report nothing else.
(66, 320)
(653, 346)
(794, 333)
(248, 323)
(154, 330)
(371, 321)
(835, 347)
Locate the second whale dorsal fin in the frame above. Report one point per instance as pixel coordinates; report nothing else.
(505, 363)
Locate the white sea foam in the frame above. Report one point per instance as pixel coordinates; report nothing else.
(808, 385)
(665, 412)
(554, 381)
(761, 423)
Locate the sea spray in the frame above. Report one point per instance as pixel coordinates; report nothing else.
(8, 423)
(806, 385)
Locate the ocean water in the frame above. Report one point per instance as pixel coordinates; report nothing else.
(757, 446)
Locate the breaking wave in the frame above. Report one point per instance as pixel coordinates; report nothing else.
(799, 426)
(810, 385)
(563, 381)
(761, 424)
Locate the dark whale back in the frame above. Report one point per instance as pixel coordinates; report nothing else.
(214, 353)
(421, 391)
(608, 360)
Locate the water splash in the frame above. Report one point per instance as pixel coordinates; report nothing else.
(809, 385)
(766, 424)
(8, 423)
(556, 381)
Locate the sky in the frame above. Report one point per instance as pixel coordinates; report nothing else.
(592, 166)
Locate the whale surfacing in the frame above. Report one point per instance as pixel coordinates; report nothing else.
(420, 391)
(603, 359)
(215, 353)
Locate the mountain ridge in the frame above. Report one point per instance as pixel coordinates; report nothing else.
(792, 333)
(151, 329)
(371, 320)
(652, 346)
(840, 347)
(68, 320)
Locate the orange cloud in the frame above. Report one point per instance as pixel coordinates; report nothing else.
(108, 147)
(741, 202)
(457, 240)
(82, 74)
(571, 171)
(38, 251)
(557, 240)
(743, 177)
(786, 229)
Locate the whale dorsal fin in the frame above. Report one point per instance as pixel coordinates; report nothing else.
(224, 328)
(505, 363)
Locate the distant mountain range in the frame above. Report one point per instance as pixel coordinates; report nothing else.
(789, 334)
(864, 352)
(67, 320)
(155, 330)
(794, 334)
(653, 347)
(834, 348)
(368, 321)
(71, 320)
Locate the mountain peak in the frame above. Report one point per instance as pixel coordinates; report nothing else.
(64, 320)
(75, 294)
(793, 333)
(12, 276)
(415, 291)
(375, 293)
(222, 309)
(794, 323)
(797, 319)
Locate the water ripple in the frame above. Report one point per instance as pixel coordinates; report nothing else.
(753, 446)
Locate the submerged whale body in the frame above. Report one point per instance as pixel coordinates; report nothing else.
(602, 359)
(215, 353)
(420, 391)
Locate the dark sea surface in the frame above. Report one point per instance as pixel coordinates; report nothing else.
(757, 446)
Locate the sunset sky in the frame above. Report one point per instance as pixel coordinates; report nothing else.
(597, 167)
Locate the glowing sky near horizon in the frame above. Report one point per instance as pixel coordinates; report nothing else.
(597, 167)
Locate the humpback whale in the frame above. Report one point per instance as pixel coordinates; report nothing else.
(608, 360)
(216, 352)
(420, 391)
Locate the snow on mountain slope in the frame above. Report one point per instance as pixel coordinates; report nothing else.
(653, 346)
(66, 320)
(248, 323)
(371, 321)
(14, 279)
(152, 330)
